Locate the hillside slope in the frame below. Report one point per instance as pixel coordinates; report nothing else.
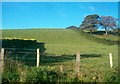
(60, 41)
(49, 36)
(64, 43)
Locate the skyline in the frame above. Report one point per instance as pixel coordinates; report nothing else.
(24, 15)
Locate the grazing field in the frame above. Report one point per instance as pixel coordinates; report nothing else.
(108, 37)
(61, 46)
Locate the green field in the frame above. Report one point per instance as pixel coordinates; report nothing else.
(65, 42)
(111, 37)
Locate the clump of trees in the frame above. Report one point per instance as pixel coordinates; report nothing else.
(108, 23)
(90, 23)
(93, 22)
(72, 27)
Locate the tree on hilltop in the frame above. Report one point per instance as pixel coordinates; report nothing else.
(91, 22)
(108, 23)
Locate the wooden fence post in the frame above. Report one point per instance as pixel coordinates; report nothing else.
(111, 62)
(1, 63)
(38, 57)
(77, 67)
(61, 68)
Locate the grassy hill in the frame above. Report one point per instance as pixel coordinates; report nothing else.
(64, 42)
(56, 40)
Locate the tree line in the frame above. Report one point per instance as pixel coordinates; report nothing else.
(94, 22)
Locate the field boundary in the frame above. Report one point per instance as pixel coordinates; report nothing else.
(95, 39)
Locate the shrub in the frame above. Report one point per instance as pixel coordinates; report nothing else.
(8, 77)
(113, 76)
(47, 75)
(98, 40)
(42, 75)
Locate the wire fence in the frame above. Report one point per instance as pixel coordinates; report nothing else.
(29, 57)
(24, 56)
(13, 57)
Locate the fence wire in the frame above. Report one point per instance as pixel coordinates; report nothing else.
(16, 56)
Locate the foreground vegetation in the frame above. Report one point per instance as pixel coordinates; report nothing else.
(61, 46)
(53, 74)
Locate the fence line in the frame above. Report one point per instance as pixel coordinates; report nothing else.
(20, 48)
(1, 63)
(111, 62)
(20, 51)
(37, 58)
(77, 67)
(37, 53)
(27, 58)
(23, 53)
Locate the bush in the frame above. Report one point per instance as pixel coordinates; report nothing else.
(102, 41)
(72, 27)
(113, 76)
(22, 44)
(8, 77)
(47, 75)
(98, 40)
(41, 75)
